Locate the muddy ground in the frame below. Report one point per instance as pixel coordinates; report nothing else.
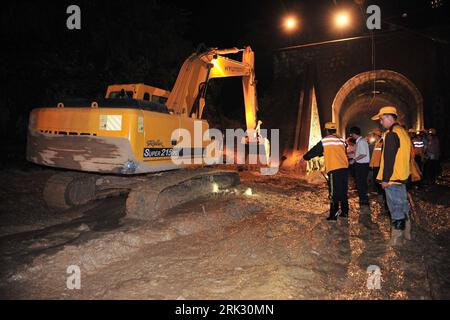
(272, 244)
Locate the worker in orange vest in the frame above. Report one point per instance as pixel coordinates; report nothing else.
(418, 153)
(419, 147)
(333, 148)
(375, 161)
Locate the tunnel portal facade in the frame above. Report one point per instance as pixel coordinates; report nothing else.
(347, 82)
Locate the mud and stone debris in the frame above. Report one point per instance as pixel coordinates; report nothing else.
(270, 243)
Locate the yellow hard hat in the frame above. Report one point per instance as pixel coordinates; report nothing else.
(432, 131)
(330, 125)
(385, 110)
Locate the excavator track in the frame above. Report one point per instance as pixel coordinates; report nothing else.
(148, 196)
(68, 189)
(149, 200)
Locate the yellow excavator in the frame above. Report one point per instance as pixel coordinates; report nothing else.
(124, 142)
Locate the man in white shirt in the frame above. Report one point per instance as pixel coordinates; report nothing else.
(362, 159)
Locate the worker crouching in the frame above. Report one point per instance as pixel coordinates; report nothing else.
(333, 148)
(394, 172)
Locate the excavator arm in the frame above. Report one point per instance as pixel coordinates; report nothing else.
(199, 68)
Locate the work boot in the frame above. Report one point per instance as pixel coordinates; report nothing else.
(334, 211)
(407, 232)
(344, 209)
(397, 233)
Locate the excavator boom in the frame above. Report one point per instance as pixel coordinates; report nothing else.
(200, 67)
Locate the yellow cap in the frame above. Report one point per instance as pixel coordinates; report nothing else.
(385, 110)
(330, 125)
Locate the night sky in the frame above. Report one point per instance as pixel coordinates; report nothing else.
(147, 41)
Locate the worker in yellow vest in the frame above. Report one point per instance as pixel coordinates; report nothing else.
(394, 172)
(333, 149)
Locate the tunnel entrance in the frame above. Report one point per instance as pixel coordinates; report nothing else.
(364, 94)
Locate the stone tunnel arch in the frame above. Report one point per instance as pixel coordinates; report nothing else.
(362, 95)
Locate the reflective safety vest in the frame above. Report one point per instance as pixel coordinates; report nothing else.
(334, 153)
(376, 154)
(418, 146)
(401, 170)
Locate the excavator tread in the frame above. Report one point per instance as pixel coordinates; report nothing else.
(148, 200)
(148, 196)
(66, 189)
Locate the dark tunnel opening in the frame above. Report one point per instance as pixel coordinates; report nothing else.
(363, 95)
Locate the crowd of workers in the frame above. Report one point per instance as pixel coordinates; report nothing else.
(397, 159)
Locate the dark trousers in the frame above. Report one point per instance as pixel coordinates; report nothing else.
(419, 162)
(361, 174)
(417, 184)
(338, 185)
(351, 170)
(432, 170)
(338, 188)
(377, 185)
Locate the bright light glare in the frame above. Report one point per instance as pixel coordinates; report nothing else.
(290, 23)
(215, 188)
(342, 19)
(248, 192)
